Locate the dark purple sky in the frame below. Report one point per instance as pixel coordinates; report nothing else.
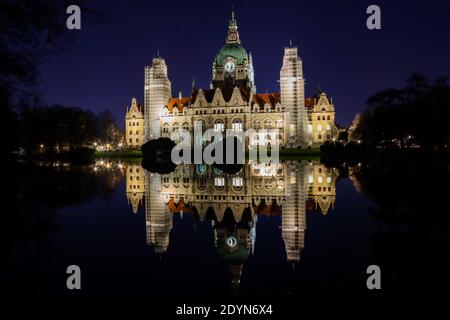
(105, 66)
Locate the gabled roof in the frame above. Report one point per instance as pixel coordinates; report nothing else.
(262, 98)
(178, 103)
(178, 207)
(226, 92)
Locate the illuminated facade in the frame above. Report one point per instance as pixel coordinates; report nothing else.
(135, 186)
(232, 203)
(231, 101)
(134, 125)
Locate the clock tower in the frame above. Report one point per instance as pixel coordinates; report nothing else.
(232, 66)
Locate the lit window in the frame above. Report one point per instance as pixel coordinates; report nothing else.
(219, 126)
(319, 127)
(237, 182)
(237, 125)
(319, 179)
(219, 182)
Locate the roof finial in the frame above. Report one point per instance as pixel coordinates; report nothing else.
(290, 43)
(193, 82)
(157, 53)
(232, 13)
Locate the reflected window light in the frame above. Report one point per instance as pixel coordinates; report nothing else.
(328, 179)
(293, 178)
(319, 179)
(219, 182)
(237, 182)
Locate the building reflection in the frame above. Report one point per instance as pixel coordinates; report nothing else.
(233, 202)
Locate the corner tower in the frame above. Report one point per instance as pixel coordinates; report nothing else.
(157, 92)
(232, 66)
(292, 90)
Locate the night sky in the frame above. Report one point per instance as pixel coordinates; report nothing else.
(104, 68)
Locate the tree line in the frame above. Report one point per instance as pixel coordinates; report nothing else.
(58, 128)
(416, 116)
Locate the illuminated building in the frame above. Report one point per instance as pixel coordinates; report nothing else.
(134, 126)
(232, 102)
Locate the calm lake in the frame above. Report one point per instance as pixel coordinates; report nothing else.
(263, 230)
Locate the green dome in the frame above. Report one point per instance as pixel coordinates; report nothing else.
(234, 50)
(234, 258)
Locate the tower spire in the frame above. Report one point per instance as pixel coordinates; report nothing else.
(233, 34)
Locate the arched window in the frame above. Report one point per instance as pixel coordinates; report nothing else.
(319, 127)
(267, 124)
(201, 124)
(202, 184)
(165, 128)
(186, 126)
(328, 118)
(256, 125)
(219, 126)
(219, 181)
(175, 127)
(236, 125)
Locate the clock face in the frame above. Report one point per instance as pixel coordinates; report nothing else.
(231, 242)
(229, 66)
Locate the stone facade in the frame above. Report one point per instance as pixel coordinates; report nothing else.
(231, 101)
(134, 126)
